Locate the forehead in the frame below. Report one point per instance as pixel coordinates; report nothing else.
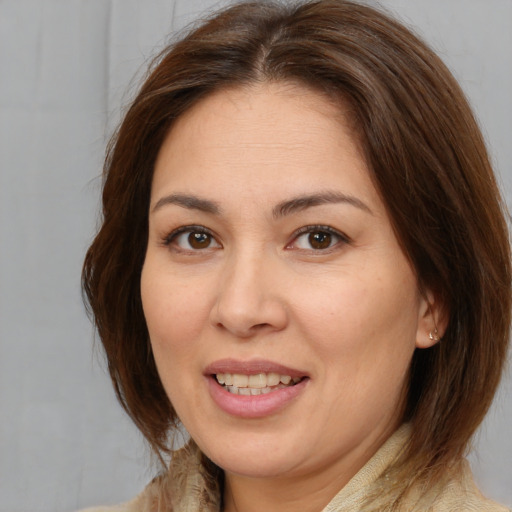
(277, 135)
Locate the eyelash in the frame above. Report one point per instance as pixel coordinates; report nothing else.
(311, 230)
(201, 230)
(316, 229)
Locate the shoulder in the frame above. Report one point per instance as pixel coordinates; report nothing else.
(143, 502)
(124, 507)
(117, 508)
(191, 483)
(460, 493)
(130, 506)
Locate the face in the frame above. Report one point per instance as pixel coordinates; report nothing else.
(282, 312)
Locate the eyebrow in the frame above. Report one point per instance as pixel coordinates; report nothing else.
(300, 203)
(282, 209)
(189, 202)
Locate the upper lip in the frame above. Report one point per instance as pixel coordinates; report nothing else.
(252, 367)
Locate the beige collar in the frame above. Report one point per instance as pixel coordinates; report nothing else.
(193, 484)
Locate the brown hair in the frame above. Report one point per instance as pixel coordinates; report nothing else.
(428, 161)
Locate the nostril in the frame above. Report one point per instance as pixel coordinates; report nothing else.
(244, 331)
(259, 326)
(244, 318)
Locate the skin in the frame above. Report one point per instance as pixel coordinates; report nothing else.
(349, 315)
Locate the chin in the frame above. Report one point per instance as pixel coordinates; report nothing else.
(245, 455)
(265, 465)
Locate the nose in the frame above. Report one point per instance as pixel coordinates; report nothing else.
(250, 299)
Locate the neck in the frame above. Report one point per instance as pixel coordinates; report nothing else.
(309, 491)
(243, 494)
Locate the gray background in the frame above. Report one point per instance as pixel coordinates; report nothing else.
(65, 69)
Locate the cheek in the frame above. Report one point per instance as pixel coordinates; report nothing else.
(367, 318)
(174, 315)
(173, 308)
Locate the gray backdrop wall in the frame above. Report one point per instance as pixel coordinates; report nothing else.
(65, 67)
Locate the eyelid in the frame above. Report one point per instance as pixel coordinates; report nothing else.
(344, 239)
(169, 238)
(174, 234)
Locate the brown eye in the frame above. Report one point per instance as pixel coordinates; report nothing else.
(192, 239)
(199, 240)
(320, 240)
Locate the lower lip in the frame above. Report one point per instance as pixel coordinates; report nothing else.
(253, 406)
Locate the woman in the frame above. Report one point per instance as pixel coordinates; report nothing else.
(304, 260)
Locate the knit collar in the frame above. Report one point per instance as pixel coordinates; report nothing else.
(193, 483)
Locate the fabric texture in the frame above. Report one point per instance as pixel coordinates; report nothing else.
(189, 486)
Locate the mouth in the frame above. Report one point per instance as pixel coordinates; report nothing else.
(257, 384)
(256, 388)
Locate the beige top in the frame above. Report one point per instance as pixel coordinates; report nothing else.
(191, 490)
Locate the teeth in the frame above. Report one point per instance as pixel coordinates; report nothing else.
(258, 381)
(273, 379)
(240, 381)
(285, 379)
(253, 391)
(258, 384)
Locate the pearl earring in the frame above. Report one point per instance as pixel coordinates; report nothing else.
(434, 335)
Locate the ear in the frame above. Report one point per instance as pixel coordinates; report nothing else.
(432, 320)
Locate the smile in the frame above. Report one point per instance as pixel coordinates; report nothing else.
(253, 385)
(256, 388)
